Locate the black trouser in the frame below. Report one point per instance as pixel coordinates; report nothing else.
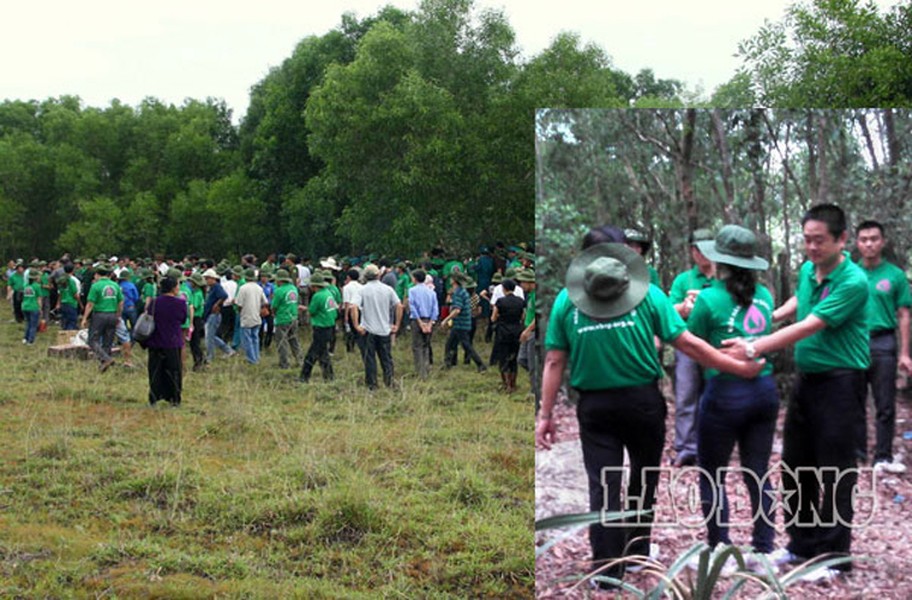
(610, 421)
(226, 331)
(101, 334)
(467, 359)
(319, 352)
(882, 378)
(820, 431)
(165, 375)
(460, 337)
(17, 307)
(267, 328)
(196, 348)
(377, 346)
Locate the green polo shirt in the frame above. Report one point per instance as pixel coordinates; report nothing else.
(198, 300)
(105, 295)
(716, 317)
(45, 289)
(840, 301)
(613, 353)
(323, 308)
(692, 279)
(30, 297)
(67, 292)
(17, 281)
(184, 292)
(285, 304)
(889, 290)
(149, 290)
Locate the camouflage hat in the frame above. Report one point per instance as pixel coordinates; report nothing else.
(318, 280)
(527, 275)
(497, 277)
(237, 270)
(250, 273)
(125, 274)
(197, 280)
(175, 273)
(103, 269)
(283, 276)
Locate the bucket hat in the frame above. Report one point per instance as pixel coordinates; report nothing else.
(607, 280)
(734, 245)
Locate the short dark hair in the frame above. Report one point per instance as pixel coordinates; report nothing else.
(604, 234)
(508, 284)
(419, 275)
(870, 224)
(167, 284)
(353, 274)
(829, 214)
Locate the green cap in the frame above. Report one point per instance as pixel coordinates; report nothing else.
(736, 246)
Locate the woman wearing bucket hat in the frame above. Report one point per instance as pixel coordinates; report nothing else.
(735, 410)
(603, 325)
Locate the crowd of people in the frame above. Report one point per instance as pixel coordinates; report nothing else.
(849, 329)
(223, 308)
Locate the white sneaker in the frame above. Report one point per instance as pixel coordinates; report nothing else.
(895, 467)
(782, 556)
(636, 567)
(820, 574)
(728, 569)
(755, 563)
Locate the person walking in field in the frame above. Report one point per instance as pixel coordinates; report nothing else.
(323, 309)
(104, 303)
(286, 307)
(372, 315)
(31, 306)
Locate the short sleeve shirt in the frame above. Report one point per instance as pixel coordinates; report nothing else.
(889, 290)
(323, 308)
(688, 280)
(613, 353)
(285, 303)
(105, 296)
(839, 301)
(716, 317)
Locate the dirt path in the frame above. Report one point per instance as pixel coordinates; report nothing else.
(886, 538)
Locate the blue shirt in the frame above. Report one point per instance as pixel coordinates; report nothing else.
(130, 294)
(460, 299)
(216, 293)
(423, 303)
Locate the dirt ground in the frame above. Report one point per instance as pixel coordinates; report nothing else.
(884, 539)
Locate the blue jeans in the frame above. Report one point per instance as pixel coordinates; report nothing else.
(68, 315)
(250, 340)
(213, 341)
(744, 412)
(31, 325)
(688, 383)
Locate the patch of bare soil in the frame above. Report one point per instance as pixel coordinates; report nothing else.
(882, 537)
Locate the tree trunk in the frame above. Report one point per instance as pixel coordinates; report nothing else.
(719, 136)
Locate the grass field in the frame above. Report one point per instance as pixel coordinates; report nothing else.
(259, 487)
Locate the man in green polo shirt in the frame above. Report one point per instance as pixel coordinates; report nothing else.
(688, 379)
(888, 306)
(105, 303)
(323, 310)
(832, 357)
(17, 282)
(285, 303)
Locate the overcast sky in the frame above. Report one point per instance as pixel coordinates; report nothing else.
(175, 49)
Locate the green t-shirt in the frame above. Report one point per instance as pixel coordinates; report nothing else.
(688, 280)
(30, 297)
(403, 285)
(889, 290)
(185, 293)
(45, 289)
(105, 296)
(840, 301)
(716, 317)
(17, 281)
(148, 291)
(323, 308)
(67, 292)
(618, 352)
(530, 308)
(198, 300)
(336, 293)
(285, 304)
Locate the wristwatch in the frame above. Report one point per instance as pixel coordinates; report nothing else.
(750, 351)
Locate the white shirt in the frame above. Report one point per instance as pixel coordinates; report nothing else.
(351, 293)
(250, 298)
(230, 286)
(498, 293)
(303, 276)
(376, 301)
